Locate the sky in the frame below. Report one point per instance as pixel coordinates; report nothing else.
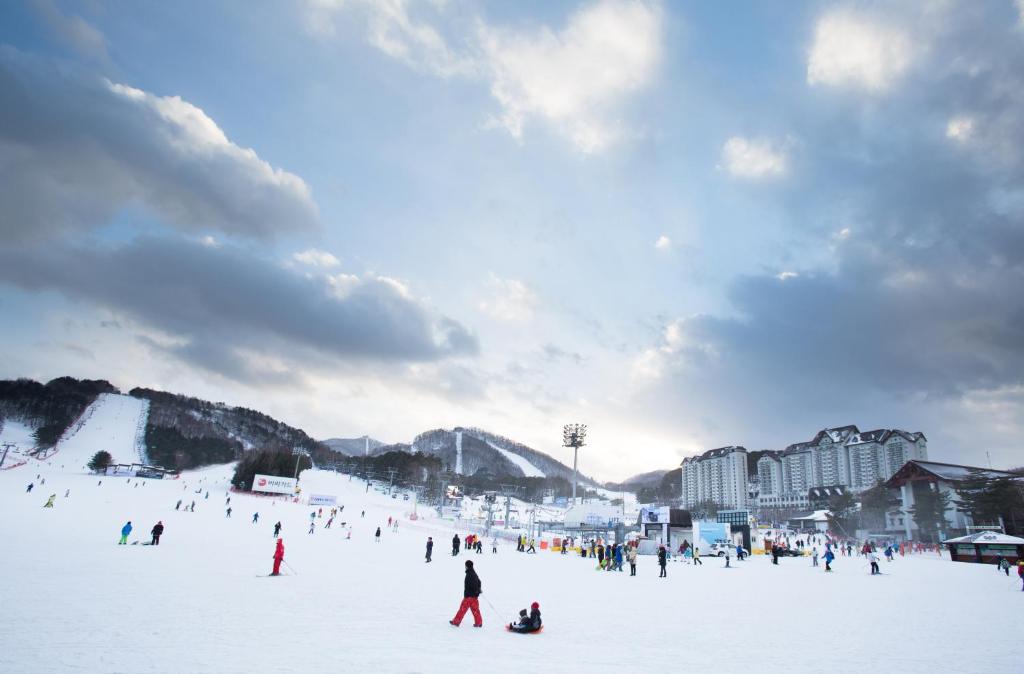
(687, 225)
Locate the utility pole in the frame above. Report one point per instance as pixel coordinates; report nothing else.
(7, 446)
(298, 452)
(391, 478)
(574, 435)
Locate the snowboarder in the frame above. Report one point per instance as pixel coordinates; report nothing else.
(177, 506)
(472, 589)
(126, 530)
(455, 545)
(527, 623)
(255, 518)
(278, 557)
(662, 561)
(49, 501)
(277, 529)
(158, 530)
(376, 536)
(430, 548)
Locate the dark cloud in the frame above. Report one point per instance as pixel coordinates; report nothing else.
(919, 303)
(75, 150)
(226, 310)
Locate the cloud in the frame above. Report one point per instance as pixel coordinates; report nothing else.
(960, 129)
(753, 158)
(225, 310)
(858, 51)
(663, 243)
(786, 275)
(74, 31)
(316, 258)
(509, 299)
(577, 79)
(75, 150)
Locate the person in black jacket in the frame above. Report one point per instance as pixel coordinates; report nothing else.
(527, 623)
(662, 561)
(455, 545)
(470, 598)
(430, 547)
(158, 530)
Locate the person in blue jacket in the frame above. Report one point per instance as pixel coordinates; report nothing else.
(125, 531)
(829, 556)
(618, 557)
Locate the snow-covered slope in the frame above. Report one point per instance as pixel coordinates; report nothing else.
(529, 470)
(115, 423)
(20, 439)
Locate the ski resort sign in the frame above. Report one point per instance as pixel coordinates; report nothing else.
(322, 499)
(274, 484)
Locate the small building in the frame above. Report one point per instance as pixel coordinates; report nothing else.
(986, 547)
(814, 521)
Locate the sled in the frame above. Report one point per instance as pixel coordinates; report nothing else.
(509, 629)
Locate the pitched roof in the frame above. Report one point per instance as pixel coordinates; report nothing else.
(949, 472)
(993, 537)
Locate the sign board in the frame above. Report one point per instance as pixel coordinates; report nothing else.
(322, 499)
(273, 484)
(654, 515)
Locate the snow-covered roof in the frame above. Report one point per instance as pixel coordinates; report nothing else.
(816, 516)
(993, 537)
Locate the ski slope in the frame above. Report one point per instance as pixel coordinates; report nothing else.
(200, 602)
(529, 470)
(112, 422)
(21, 439)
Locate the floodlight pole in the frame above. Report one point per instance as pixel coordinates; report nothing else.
(574, 435)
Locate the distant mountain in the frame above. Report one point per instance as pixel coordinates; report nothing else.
(637, 482)
(352, 446)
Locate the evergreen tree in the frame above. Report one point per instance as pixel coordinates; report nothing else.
(929, 511)
(875, 504)
(987, 498)
(842, 513)
(99, 461)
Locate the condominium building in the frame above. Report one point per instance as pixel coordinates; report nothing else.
(717, 476)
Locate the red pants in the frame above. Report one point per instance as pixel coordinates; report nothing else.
(469, 604)
(277, 565)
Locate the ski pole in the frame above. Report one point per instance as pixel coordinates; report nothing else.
(290, 567)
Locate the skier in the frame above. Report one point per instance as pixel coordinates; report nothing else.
(49, 501)
(472, 590)
(126, 530)
(255, 518)
(531, 550)
(662, 561)
(278, 557)
(1004, 565)
(455, 545)
(430, 548)
(192, 508)
(829, 556)
(888, 553)
(158, 530)
(67, 493)
(29, 488)
(312, 525)
(814, 556)
(696, 557)
(228, 513)
(527, 623)
(376, 536)
(177, 506)
(330, 520)
(389, 521)
(632, 561)
(873, 558)
(277, 529)
(362, 514)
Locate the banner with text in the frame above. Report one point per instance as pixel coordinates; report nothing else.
(322, 499)
(274, 484)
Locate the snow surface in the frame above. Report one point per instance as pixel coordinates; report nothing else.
(21, 437)
(73, 600)
(112, 422)
(529, 470)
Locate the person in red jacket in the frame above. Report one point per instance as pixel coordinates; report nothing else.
(278, 557)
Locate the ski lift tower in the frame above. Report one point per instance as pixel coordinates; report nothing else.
(574, 435)
(507, 492)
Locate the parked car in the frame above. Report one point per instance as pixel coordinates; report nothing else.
(789, 552)
(720, 549)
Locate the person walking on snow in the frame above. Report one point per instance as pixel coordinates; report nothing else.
(873, 558)
(312, 525)
(126, 530)
(1004, 565)
(618, 557)
(278, 557)
(696, 556)
(177, 506)
(29, 488)
(472, 589)
(814, 556)
(631, 556)
(455, 545)
(662, 561)
(255, 518)
(376, 536)
(228, 513)
(277, 529)
(49, 501)
(158, 530)
(430, 548)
